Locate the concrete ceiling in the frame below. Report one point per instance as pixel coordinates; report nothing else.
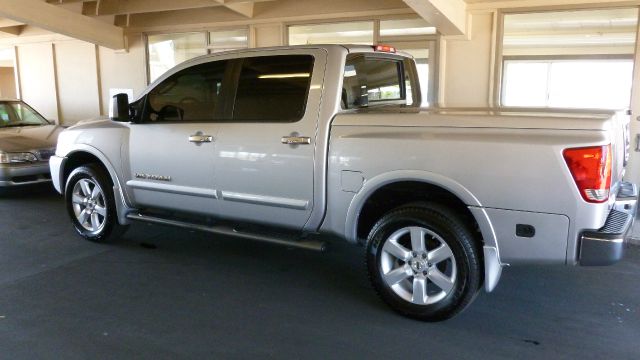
(105, 22)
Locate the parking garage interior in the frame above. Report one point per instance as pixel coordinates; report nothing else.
(164, 292)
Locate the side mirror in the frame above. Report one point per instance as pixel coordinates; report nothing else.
(119, 108)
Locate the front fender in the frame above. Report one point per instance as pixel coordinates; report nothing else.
(122, 206)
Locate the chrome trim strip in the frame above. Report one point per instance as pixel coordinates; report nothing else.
(616, 240)
(265, 200)
(173, 189)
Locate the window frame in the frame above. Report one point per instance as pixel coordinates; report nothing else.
(498, 76)
(228, 91)
(405, 64)
(206, 45)
(235, 84)
(549, 59)
(142, 106)
(431, 41)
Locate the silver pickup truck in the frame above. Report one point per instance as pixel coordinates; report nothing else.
(295, 145)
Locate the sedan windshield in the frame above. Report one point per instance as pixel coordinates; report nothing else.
(16, 113)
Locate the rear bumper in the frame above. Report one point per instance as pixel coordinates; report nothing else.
(16, 175)
(605, 246)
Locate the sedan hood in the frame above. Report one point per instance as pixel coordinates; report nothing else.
(26, 138)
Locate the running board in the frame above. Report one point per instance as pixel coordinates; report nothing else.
(230, 231)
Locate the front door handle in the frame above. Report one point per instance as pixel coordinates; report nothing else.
(296, 140)
(197, 138)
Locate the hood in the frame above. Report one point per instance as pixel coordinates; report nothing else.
(17, 139)
(97, 123)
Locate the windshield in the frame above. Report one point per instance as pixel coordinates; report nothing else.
(15, 113)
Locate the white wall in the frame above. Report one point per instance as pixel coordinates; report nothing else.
(268, 35)
(68, 80)
(633, 171)
(77, 80)
(122, 70)
(38, 79)
(465, 66)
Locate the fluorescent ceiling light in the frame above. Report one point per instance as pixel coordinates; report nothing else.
(284, 76)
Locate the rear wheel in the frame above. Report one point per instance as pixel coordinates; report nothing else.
(423, 262)
(91, 204)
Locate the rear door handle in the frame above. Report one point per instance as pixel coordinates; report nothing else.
(200, 138)
(296, 140)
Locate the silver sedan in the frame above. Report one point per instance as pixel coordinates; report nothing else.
(27, 141)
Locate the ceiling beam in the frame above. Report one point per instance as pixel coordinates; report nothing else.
(448, 16)
(107, 7)
(9, 22)
(126, 7)
(533, 4)
(53, 18)
(12, 30)
(242, 8)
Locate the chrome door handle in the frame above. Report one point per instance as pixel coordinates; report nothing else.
(296, 140)
(200, 138)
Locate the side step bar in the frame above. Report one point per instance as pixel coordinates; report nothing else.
(314, 245)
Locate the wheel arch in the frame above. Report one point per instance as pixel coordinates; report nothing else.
(383, 181)
(448, 188)
(85, 154)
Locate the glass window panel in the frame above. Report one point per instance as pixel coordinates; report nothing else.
(367, 81)
(167, 51)
(273, 88)
(584, 84)
(569, 59)
(189, 95)
(228, 40)
(17, 114)
(421, 56)
(525, 83)
(339, 33)
(6, 57)
(590, 84)
(610, 31)
(407, 27)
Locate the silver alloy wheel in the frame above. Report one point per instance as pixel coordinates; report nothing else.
(418, 265)
(89, 205)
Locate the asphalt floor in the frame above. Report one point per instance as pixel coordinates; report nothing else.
(164, 293)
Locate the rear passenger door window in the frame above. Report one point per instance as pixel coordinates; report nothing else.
(273, 88)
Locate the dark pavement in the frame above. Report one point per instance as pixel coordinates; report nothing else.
(165, 293)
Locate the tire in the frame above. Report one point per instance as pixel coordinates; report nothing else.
(90, 203)
(410, 275)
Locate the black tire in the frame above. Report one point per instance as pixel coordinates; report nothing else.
(463, 262)
(110, 230)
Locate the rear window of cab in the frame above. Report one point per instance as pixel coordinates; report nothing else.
(370, 81)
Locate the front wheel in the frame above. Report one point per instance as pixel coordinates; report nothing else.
(423, 262)
(91, 205)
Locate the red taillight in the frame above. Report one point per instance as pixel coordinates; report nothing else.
(591, 170)
(385, 48)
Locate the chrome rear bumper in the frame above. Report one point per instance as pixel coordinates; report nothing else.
(605, 246)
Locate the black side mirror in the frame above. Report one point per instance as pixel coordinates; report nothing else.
(119, 108)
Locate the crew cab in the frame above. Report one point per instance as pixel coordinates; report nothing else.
(295, 145)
